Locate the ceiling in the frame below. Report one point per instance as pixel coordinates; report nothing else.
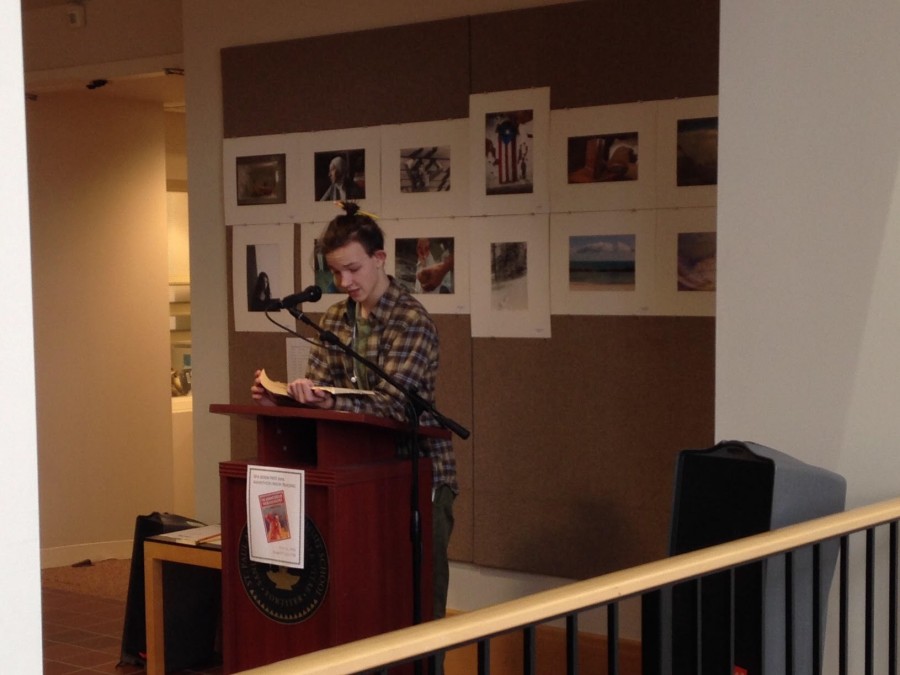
(165, 88)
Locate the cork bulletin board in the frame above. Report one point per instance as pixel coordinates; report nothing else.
(569, 468)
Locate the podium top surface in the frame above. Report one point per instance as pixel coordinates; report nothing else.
(339, 416)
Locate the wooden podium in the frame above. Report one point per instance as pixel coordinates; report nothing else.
(357, 580)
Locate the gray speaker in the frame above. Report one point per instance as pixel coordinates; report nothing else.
(733, 490)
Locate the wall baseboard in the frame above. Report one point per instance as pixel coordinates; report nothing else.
(507, 657)
(62, 556)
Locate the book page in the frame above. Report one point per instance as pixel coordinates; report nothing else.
(272, 386)
(280, 388)
(337, 391)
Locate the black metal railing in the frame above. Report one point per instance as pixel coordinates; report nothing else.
(807, 554)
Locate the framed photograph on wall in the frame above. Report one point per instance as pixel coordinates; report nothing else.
(431, 259)
(258, 179)
(603, 158)
(261, 179)
(686, 262)
(425, 169)
(688, 159)
(262, 266)
(508, 142)
(337, 165)
(509, 276)
(602, 262)
(339, 175)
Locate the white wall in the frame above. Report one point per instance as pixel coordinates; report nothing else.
(809, 236)
(99, 243)
(807, 357)
(20, 612)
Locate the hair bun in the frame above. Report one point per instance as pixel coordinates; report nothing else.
(350, 208)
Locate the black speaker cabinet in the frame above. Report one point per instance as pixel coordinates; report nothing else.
(733, 490)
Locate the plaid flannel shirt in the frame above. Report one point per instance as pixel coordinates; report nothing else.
(404, 343)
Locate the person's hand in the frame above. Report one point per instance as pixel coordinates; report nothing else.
(258, 392)
(303, 391)
(431, 277)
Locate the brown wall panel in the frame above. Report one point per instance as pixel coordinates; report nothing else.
(454, 399)
(576, 438)
(600, 53)
(385, 76)
(569, 468)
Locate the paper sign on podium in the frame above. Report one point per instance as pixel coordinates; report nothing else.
(275, 515)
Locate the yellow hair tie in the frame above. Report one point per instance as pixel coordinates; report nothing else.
(353, 211)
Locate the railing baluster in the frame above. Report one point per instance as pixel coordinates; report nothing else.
(484, 657)
(699, 626)
(870, 601)
(612, 638)
(816, 609)
(843, 653)
(817, 542)
(731, 615)
(530, 647)
(789, 613)
(892, 602)
(572, 644)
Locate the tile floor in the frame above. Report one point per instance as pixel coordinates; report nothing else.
(83, 634)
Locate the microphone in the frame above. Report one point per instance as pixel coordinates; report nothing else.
(308, 294)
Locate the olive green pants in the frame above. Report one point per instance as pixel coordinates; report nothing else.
(442, 524)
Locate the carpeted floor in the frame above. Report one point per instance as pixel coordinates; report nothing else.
(103, 578)
(83, 609)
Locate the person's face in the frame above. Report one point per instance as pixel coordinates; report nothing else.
(358, 274)
(423, 248)
(334, 172)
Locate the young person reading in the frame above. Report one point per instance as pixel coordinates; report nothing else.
(385, 324)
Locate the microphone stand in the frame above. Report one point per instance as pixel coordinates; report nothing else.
(415, 406)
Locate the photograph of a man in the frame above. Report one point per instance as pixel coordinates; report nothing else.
(340, 175)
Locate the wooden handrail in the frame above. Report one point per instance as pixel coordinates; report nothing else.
(460, 629)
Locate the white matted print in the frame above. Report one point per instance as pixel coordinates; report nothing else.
(688, 142)
(686, 262)
(431, 259)
(262, 266)
(338, 165)
(602, 262)
(508, 143)
(313, 270)
(603, 158)
(425, 169)
(509, 276)
(259, 176)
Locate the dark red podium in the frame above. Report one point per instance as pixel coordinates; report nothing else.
(358, 575)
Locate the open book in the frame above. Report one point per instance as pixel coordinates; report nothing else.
(280, 388)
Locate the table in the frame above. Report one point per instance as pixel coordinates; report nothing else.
(155, 553)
